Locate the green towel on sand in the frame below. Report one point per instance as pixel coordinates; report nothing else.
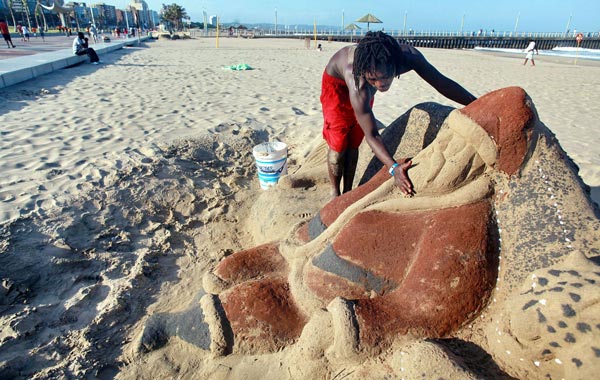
(241, 66)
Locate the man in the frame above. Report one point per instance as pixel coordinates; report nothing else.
(6, 33)
(94, 33)
(530, 49)
(25, 32)
(80, 47)
(350, 80)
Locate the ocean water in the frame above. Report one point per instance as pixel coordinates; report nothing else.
(569, 52)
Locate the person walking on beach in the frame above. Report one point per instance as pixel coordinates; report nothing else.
(80, 47)
(6, 33)
(529, 50)
(350, 80)
(94, 33)
(25, 31)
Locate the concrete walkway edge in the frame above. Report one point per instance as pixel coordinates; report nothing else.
(20, 69)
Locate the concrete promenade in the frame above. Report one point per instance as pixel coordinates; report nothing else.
(36, 57)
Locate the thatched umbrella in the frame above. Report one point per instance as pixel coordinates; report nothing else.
(352, 27)
(369, 18)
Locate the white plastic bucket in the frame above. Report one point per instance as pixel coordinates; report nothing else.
(271, 162)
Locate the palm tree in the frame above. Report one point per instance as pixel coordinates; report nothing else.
(174, 14)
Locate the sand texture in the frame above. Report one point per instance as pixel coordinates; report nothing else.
(136, 243)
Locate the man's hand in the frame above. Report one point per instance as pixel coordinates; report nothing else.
(401, 177)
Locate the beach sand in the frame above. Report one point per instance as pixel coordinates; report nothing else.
(142, 168)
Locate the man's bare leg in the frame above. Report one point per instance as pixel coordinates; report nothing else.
(349, 168)
(335, 169)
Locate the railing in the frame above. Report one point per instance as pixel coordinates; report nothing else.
(443, 40)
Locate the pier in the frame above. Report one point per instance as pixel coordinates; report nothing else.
(505, 40)
(470, 42)
(542, 43)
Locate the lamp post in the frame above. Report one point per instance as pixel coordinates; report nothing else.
(92, 13)
(568, 25)
(315, 31)
(126, 21)
(275, 22)
(217, 39)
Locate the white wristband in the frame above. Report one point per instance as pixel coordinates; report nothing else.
(394, 166)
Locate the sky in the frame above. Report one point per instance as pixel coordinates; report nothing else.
(421, 15)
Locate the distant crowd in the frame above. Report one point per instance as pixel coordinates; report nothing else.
(25, 33)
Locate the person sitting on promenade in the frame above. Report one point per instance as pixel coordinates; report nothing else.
(350, 80)
(80, 47)
(6, 33)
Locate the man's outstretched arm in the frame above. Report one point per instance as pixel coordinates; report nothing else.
(444, 85)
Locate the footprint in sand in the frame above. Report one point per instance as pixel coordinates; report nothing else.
(298, 111)
(7, 197)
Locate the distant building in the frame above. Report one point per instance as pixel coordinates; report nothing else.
(123, 18)
(94, 14)
(155, 18)
(212, 20)
(103, 15)
(80, 14)
(18, 8)
(19, 11)
(106, 16)
(141, 10)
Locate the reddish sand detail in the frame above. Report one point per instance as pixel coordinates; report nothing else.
(327, 286)
(508, 124)
(252, 263)
(263, 315)
(444, 262)
(259, 306)
(302, 233)
(447, 277)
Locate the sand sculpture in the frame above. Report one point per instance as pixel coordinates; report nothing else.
(498, 247)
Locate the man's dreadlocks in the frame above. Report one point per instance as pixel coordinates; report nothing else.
(374, 50)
